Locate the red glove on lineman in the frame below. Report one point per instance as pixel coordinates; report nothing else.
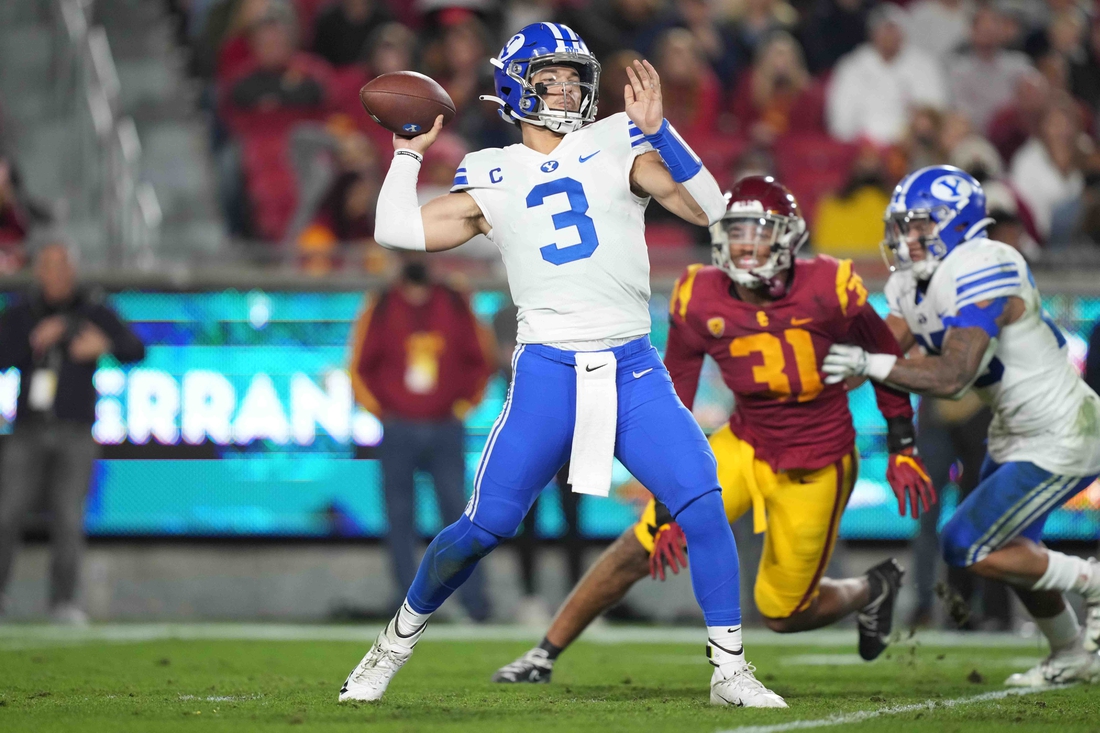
(668, 547)
(908, 477)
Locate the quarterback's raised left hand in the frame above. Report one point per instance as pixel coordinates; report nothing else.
(643, 97)
(845, 361)
(907, 476)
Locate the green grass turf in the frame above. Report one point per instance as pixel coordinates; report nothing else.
(176, 685)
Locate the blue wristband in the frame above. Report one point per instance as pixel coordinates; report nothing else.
(678, 157)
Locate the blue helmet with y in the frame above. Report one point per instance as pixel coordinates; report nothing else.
(535, 47)
(940, 207)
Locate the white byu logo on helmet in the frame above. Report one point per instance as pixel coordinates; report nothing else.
(952, 188)
(515, 43)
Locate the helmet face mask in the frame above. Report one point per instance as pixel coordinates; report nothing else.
(521, 94)
(757, 239)
(913, 242)
(577, 96)
(938, 207)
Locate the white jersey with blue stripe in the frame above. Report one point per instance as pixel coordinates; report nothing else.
(570, 231)
(1043, 412)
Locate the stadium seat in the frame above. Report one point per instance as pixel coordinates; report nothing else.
(812, 165)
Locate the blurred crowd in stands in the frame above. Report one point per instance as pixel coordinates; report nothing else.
(837, 98)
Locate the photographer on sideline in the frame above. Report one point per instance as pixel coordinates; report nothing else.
(55, 335)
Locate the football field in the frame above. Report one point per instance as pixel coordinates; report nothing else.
(640, 679)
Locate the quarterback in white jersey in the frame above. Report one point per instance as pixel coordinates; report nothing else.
(972, 306)
(576, 206)
(566, 208)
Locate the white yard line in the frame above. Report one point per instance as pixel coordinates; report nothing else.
(862, 715)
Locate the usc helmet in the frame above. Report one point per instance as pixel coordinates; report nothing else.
(761, 211)
(534, 47)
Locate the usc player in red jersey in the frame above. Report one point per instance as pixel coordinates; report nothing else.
(788, 451)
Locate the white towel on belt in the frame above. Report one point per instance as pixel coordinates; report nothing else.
(597, 419)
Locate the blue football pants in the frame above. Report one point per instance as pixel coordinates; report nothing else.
(658, 441)
(1012, 500)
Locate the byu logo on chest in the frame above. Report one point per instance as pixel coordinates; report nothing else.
(549, 166)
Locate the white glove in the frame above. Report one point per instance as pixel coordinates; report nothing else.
(851, 361)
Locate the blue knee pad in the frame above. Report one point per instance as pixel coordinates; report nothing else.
(448, 563)
(715, 571)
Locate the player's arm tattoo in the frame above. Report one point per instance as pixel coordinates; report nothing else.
(949, 373)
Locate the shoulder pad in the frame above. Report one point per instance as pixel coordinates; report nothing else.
(850, 291)
(682, 292)
(984, 269)
(477, 169)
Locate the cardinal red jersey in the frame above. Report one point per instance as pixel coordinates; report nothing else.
(770, 357)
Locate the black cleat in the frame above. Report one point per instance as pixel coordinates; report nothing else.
(533, 667)
(876, 619)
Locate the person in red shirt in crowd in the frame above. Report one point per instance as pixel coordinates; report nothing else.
(693, 96)
(279, 78)
(420, 362)
(278, 89)
(344, 218)
(778, 95)
(1013, 124)
(788, 453)
(390, 48)
(228, 36)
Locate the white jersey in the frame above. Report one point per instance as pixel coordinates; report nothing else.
(1043, 412)
(570, 230)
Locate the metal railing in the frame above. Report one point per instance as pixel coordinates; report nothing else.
(109, 159)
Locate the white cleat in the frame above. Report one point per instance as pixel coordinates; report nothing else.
(1092, 614)
(1092, 627)
(369, 680)
(738, 687)
(1060, 668)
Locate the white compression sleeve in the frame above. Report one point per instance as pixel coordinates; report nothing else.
(704, 189)
(397, 222)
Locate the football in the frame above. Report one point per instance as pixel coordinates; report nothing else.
(406, 103)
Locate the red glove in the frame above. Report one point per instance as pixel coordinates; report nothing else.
(668, 547)
(908, 477)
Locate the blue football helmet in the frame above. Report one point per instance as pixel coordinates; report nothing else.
(534, 47)
(948, 197)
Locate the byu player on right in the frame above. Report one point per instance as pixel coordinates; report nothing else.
(972, 304)
(566, 210)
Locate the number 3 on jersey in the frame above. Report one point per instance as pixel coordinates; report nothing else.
(772, 371)
(575, 216)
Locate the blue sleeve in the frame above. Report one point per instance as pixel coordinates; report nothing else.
(970, 316)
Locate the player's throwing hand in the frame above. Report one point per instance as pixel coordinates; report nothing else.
(643, 97)
(421, 142)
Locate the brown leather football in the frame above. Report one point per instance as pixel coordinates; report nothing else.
(406, 103)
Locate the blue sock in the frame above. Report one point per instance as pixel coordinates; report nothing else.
(715, 575)
(448, 562)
